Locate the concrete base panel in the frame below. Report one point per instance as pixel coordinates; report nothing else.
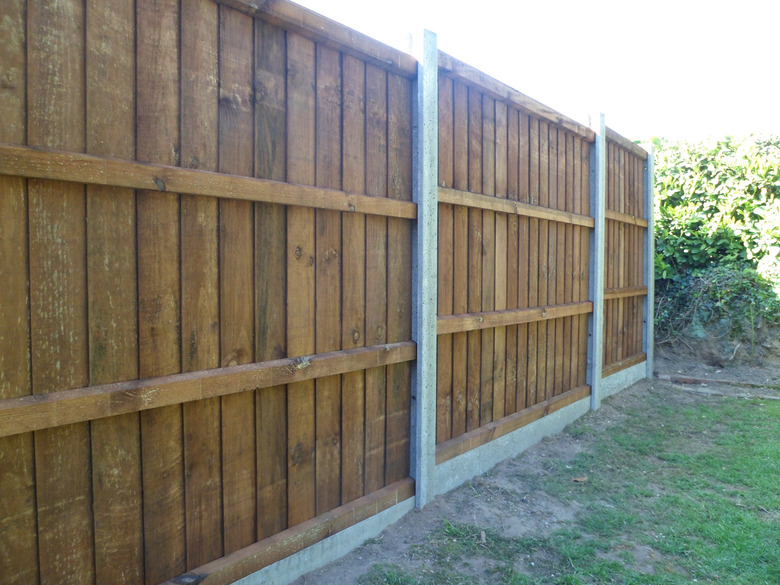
(623, 379)
(458, 470)
(334, 547)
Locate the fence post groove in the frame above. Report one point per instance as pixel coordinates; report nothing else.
(596, 281)
(424, 270)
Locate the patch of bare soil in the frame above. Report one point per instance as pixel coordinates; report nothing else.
(511, 498)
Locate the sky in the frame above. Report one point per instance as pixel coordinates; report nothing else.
(677, 69)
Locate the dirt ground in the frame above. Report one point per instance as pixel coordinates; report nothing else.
(511, 498)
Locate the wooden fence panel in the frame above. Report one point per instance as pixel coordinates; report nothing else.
(520, 256)
(624, 255)
(131, 281)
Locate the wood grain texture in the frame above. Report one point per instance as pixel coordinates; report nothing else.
(270, 258)
(18, 539)
(301, 255)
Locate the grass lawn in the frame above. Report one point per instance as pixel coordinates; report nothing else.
(675, 493)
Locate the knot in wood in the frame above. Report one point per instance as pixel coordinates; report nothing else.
(298, 252)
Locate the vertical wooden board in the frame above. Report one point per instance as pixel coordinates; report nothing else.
(328, 279)
(512, 261)
(563, 267)
(461, 279)
(444, 387)
(488, 146)
(500, 343)
(489, 256)
(112, 310)
(543, 266)
(552, 263)
(532, 247)
(376, 275)
(475, 128)
(58, 290)
(513, 154)
(353, 279)
(584, 262)
(460, 306)
(236, 276)
(501, 149)
(18, 542)
(474, 359)
(523, 178)
(446, 134)
(399, 299)
(157, 140)
(461, 136)
(300, 278)
(270, 260)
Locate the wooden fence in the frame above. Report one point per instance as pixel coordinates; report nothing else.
(206, 227)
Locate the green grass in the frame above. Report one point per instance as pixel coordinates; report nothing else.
(700, 493)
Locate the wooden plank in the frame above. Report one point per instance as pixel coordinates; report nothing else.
(270, 293)
(625, 218)
(523, 159)
(577, 268)
(328, 279)
(570, 268)
(399, 294)
(622, 293)
(21, 161)
(460, 254)
(512, 258)
(112, 294)
(473, 200)
(376, 275)
(476, 321)
(450, 66)
(552, 263)
(488, 256)
(236, 290)
(584, 263)
(446, 133)
(159, 291)
(532, 247)
(18, 539)
(500, 269)
(623, 364)
(268, 551)
(301, 254)
(483, 435)
(562, 268)
(543, 279)
(328, 33)
(200, 282)
(58, 292)
(353, 290)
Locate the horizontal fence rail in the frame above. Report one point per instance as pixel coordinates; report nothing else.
(218, 220)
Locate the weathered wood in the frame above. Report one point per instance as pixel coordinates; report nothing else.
(328, 33)
(450, 66)
(487, 320)
(623, 364)
(328, 279)
(69, 166)
(236, 265)
(301, 258)
(266, 552)
(473, 200)
(626, 144)
(483, 435)
(621, 293)
(270, 293)
(200, 282)
(18, 538)
(353, 290)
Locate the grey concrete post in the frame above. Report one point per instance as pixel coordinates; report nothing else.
(424, 269)
(648, 338)
(598, 189)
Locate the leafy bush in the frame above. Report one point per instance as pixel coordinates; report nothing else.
(717, 202)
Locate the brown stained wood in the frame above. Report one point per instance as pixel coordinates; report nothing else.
(446, 132)
(552, 263)
(523, 178)
(74, 167)
(376, 275)
(532, 247)
(460, 304)
(621, 293)
(270, 293)
(444, 360)
(625, 218)
(562, 268)
(159, 287)
(200, 282)
(328, 33)
(483, 435)
(58, 291)
(569, 267)
(268, 551)
(301, 257)
(499, 340)
(18, 542)
(466, 73)
(488, 259)
(353, 325)
(626, 144)
(623, 364)
(328, 279)
(112, 309)
(584, 263)
(543, 252)
(487, 320)
(473, 200)
(512, 296)
(236, 265)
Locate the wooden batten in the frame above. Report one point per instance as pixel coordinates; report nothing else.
(625, 218)
(55, 409)
(622, 293)
(623, 364)
(489, 319)
(625, 143)
(38, 163)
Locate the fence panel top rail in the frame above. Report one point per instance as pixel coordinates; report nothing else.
(321, 29)
(624, 142)
(452, 67)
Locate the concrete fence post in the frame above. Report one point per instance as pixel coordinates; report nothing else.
(424, 269)
(598, 188)
(648, 337)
